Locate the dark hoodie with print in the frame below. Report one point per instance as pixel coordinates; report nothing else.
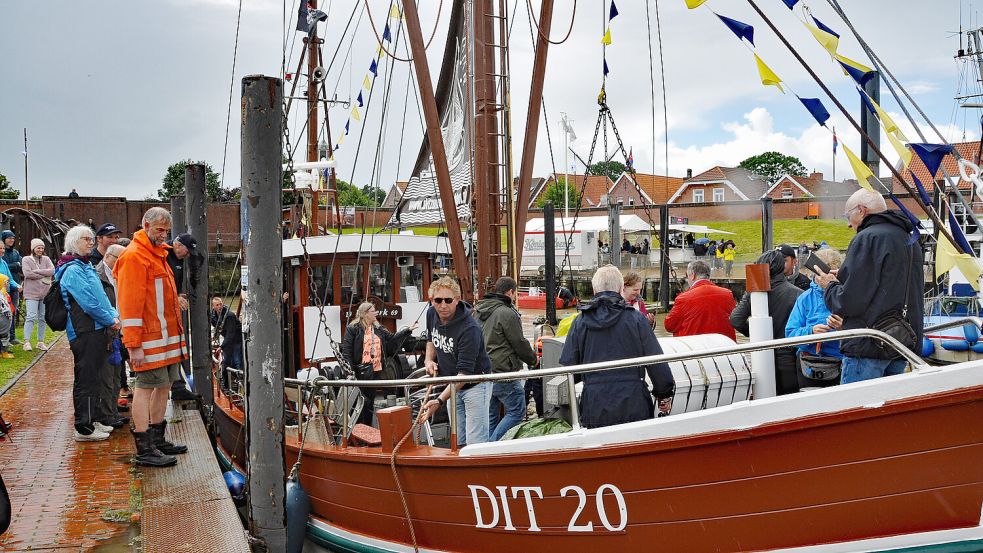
(459, 343)
(781, 298)
(608, 329)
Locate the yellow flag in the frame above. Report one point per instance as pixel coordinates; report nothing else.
(378, 51)
(340, 140)
(829, 41)
(607, 37)
(947, 257)
(860, 169)
(394, 12)
(366, 83)
(355, 114)
(694, 3)
(768, 77)
(903, 152)
(886, 121)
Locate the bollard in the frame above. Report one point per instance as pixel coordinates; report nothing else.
(762, 362)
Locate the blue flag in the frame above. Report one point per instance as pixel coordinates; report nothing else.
(824, 27)
(790, 3)
(359, 103)
(606, 68)
(866, 101)
(738, 28)
(819, 112)
(921, 190)
(385, 34)
(374, 68)
(957, 233)
(857, 74)
(349, 122)
(614, 11)
(931, 155)
(915, 223)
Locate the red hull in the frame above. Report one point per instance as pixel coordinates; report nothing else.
(539, 302)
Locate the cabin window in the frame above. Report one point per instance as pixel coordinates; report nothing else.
(411, 284)
(718, 194)
(381, 281)
(322, 286)
(787, 192)
(698, 196)
(352, 285)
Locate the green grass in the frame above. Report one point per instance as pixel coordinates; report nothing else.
(747, 234)
(11, 367)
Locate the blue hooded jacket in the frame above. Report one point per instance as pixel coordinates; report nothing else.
(810, 310)
(80, 279)
(609, 329)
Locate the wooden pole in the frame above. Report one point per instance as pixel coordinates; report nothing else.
(197, 270)
(436, 141)
(179, 221)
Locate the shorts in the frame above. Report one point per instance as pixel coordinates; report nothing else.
(161, 377)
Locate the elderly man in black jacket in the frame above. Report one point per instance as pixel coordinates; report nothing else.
(881, 263)
(606, 330)
(781, 300)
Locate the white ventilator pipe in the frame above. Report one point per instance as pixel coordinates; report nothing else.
(762, 362)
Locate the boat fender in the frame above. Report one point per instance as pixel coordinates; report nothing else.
(298, 507)
(971, 333)
(955, 345)
(977, 347)
(236, 482)
(928, 347)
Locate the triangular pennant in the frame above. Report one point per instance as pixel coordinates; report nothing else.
(606, 40)
(903, 153)
(860, 169)
(374, 68)
(856, 70)
(378, 51)
(824, 28)
(738, 28)
(359, 99)
(385, 34)
(347, 123)
(355, 114)
(613, 12)
(890, 127)
(865, 100)
(394, 12)
(828, 41)
(366, 84)
(921, 189)
(931, 155)
(790, 3)
(957, 233)
(768, 77)
(341, 139)
(816, 108)
(947, 257)
(915, 223)
(606, 68)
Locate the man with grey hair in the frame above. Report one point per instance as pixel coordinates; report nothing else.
(607, 330)
(882, 273)
(704, 308)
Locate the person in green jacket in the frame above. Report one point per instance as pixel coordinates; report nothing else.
(507, 348)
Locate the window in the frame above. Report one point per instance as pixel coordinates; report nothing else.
(631, 200)
(718, 194)
(698, 196)
(322, 286)
(411, 283)
(787, 192)
(380, 281)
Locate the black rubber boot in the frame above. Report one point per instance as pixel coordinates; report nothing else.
(147, 454)
(161, 443)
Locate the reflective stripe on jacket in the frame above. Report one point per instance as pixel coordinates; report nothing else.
(148, 304)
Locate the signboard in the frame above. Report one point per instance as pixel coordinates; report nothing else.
(384, 311)
(582, 252)
(678, 220)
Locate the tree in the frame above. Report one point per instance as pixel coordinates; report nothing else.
(774, 165)
(4, 182)
(173, 183)
(555, 193)
(350, 195)
(611, 169)
(6, 192)
(374, 194)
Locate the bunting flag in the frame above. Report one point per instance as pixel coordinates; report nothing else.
(355, 114)
(818, 111)
(374, 68)
(378, 51)
(340, 140)
(347, 123)
(957, 233)
(947, 257)
(866, 100)
(385, 34)
(921, 189)
(606, 40)
(768, 77)
(890, 127)
(606, 71)
(915, 223)
(828, 41)
(790, 3)
(366, 84)
(742, 30)
(931, 155)
(860, 169)
(359, 99)
(835, 142)
(856, 70)
(394, 12)
(613, 12)
(693, 4)
(903, 153)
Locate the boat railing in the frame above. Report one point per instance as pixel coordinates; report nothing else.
(962, 321)
(323, 383)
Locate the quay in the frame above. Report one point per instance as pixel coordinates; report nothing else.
(72, 497)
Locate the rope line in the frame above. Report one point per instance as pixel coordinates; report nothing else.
(539, 29)
(440, 9)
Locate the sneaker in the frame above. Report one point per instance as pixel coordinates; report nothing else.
(104, 428)
(27, 346)
(42, 346)
(15, 342)
(94, 436)
(6, 355)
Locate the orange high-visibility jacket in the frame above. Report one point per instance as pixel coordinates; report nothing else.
(148, 304)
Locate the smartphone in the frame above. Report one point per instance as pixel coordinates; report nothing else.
(813, 261)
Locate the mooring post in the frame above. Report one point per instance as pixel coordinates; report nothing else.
(767, 225)
(262, 132)
(549, 252)
(614, 232)
(179, 222)
(762, 362)
(196, 267)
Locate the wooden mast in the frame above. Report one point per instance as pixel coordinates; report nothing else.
(436, 140)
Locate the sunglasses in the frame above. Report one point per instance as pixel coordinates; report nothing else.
(438, 301)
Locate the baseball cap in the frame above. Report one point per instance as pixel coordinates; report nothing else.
(787, 251)
(108, 229)
(187, 240)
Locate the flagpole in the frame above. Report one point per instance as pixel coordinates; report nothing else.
(834, 153)
(26, 197)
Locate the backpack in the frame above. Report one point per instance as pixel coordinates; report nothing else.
(55, 313)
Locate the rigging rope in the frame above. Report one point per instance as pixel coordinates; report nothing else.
(378, 39)
(539, 30)
(228, 110)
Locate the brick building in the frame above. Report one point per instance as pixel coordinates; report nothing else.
(720, 184)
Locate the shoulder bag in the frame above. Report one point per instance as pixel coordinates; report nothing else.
(895, 323)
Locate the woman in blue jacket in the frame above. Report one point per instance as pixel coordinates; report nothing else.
(809, 317)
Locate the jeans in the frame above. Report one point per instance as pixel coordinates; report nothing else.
(513, 396)
(472, 414)
(35, 314)
(232, 355)
(855, 369)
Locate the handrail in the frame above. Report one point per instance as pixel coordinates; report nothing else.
(916, 361)
(976, 321)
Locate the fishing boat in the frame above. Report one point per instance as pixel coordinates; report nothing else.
(887, 464)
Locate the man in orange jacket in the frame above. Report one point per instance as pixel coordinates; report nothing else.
(152, 333)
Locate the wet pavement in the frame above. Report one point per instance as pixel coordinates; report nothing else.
(65, 496)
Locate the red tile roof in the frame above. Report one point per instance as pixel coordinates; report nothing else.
(657, 187)
(967, 150)
(597, 186)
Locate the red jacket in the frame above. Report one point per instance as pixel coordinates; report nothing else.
(703, 309)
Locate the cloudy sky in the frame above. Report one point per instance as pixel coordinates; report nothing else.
(112, 93)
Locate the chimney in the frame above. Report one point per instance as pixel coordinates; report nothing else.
(689, 173)
(815, 176)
